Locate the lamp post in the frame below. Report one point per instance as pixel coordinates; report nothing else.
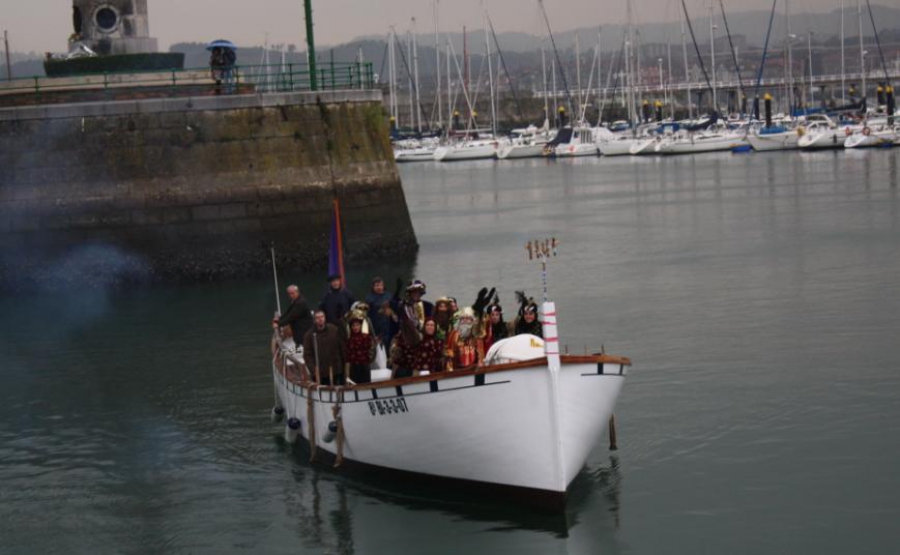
(310, 45)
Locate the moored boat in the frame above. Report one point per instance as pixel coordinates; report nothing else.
(467, 150)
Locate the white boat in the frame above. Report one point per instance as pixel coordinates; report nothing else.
(620, 146)
(696, 142)
(525, 143)
(522, 425)
(580, 143)
(421, 154)
(467, 150)
(872, 136)
(829, 136)
(645, 146)
(774, 138)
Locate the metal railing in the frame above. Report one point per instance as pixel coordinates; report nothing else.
(261, 78)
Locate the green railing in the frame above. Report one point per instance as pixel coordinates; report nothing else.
(261, 78)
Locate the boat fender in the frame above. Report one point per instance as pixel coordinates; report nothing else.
(848, 132)
(867, 131)
(277, 414)
(331, 433)
(292, 430)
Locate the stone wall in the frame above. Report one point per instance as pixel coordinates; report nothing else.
(197, 187)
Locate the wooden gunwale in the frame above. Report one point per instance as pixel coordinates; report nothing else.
(294, 378)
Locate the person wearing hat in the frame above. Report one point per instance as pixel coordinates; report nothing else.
(465, 345)
(527, 322)
(337, 301)
(443, 318)
(495, 327)
(411, 312)
(359, 352)
(429, 354)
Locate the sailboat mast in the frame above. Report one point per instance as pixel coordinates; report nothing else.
(487, 46)
(578, 69)
(599, 74)
(392, 77)
(546, 92)
(415, 43)
(790, 49)
(437, 67)
(632, 116)
(687, 69)
(862, 54)
(812, 94)
(843, 61)
(712, 46)
(449, 88)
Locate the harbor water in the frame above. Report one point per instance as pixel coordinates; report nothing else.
(758, 296)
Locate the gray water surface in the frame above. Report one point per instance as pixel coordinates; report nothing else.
(758, 295)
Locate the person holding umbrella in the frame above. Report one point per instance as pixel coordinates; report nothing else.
(223, 56)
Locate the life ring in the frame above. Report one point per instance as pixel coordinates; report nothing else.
(848, 132)
(867, 131)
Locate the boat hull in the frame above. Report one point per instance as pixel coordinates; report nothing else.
(457, 154)
(576, 151)
(414, 155)
(774, 141)
(525, 429)
(822, 141)
(699, 146)
(515, 152)
(621, 147)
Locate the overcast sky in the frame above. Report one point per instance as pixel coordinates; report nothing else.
(44, 25)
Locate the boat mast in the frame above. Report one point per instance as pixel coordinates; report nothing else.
(487, 45)
(599, 74)
(669, 95)
(712, 46)
(812, 94)
(862, 56)
(578, 70)
(687, 70)
(392, 76)
(415, 46)
(409, 76)
(629, 56)
(449, 88)
(546, 92)
(437, 67)
(843, 61)
(790, 65)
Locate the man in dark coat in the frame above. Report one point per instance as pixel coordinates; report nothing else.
(381, 320)
(298, 316)
(337, 301)
(323, 349)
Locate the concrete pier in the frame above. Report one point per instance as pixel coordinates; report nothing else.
(197, 187)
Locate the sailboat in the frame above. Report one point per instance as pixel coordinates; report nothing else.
(526, 143)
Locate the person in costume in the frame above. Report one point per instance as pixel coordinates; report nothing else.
(443, 318)
(411, 312)
(527, 322)
(495, 327)
(465, 346)
(359, 352)
(429, 354)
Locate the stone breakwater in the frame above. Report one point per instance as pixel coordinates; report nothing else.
(196, 188)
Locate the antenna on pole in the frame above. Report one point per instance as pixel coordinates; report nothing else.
(543, 251)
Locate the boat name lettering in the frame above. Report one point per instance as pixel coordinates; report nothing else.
(385, 407)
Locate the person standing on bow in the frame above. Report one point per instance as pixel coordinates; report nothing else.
(323, 351)
(298, 316)
(443, 318)
(337, 301)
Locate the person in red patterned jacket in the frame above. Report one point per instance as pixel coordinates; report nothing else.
(359, 353)
(429, 353)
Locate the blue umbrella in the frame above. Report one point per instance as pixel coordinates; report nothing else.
(221, 43)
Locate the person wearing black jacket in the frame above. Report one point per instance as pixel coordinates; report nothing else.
(337, 301)
(298, 316)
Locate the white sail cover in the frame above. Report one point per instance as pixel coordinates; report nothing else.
(515, 349)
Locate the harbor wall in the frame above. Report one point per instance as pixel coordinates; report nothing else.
(194, 188)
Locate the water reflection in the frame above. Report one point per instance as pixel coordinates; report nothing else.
(328, 513)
